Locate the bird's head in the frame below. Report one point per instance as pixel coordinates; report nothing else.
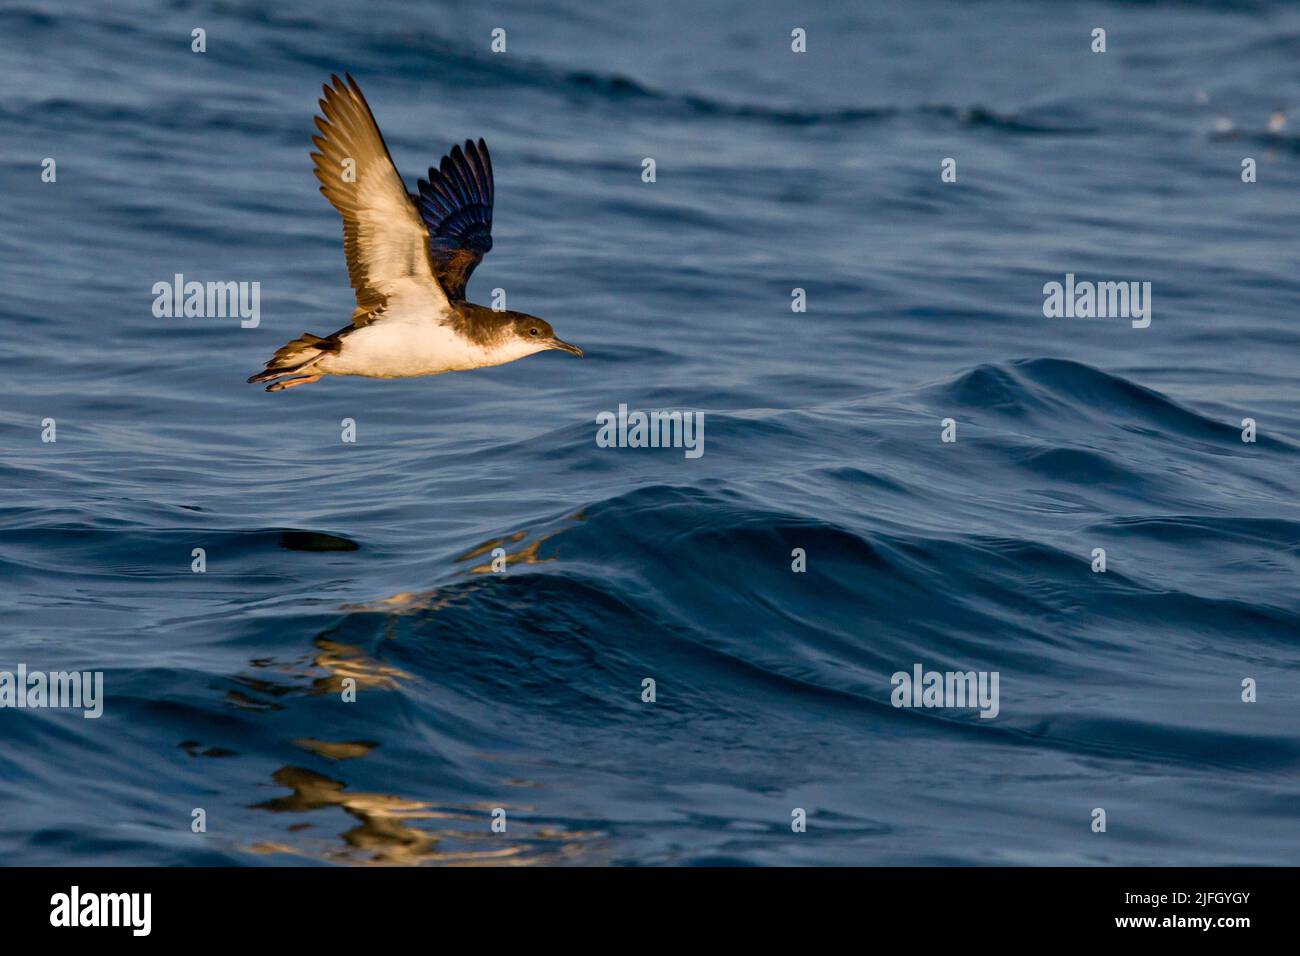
(531, 330)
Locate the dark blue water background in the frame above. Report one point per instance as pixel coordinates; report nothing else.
(328, 560)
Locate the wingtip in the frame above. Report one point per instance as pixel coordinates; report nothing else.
(340, 87)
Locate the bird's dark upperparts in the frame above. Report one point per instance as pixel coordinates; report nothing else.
(489, 327)
(409, 256)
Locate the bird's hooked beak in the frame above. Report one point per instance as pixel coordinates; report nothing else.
(564, 346)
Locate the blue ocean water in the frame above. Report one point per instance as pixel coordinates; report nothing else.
(371, 560)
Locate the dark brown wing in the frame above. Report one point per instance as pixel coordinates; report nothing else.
(455, 203)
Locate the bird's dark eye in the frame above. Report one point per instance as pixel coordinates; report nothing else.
(533, 332)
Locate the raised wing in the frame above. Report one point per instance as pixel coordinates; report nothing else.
(455, 203)
(383, 237)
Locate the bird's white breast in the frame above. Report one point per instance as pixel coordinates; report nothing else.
(401, 349)
(415, 335)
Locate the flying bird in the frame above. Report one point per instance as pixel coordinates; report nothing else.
(409, 257)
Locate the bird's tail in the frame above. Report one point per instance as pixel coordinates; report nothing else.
(295, 356)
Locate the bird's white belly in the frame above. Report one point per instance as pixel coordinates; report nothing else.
(400, 350)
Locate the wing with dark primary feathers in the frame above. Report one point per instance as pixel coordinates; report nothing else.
(383, 235)
(455, 203)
